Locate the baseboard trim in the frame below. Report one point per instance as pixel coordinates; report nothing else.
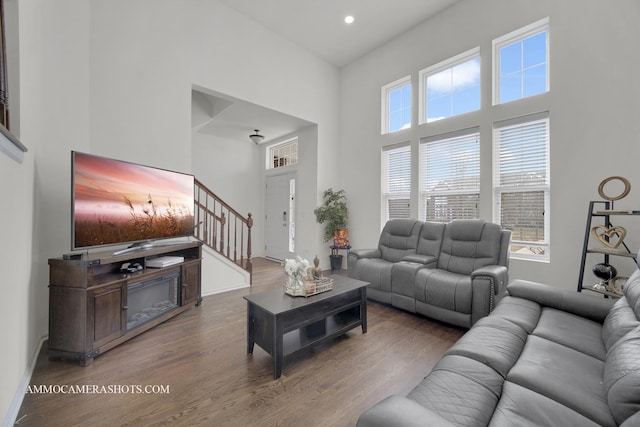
(219, 291)
(16, 403)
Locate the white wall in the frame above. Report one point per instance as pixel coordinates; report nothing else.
(16, 188)
(114, 78)
(221, 275)
(52, 43)
(594, 102)
(233, 171)
(143, 70)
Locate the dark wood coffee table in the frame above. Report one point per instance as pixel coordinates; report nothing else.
(283, 325)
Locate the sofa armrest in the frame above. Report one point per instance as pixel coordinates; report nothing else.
(427, 260)
(588, 306)
(398, 411)
(366, 253)
(497, 273)
(488, 286)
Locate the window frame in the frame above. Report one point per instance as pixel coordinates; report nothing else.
(386, 195)
(270, 164)
(453, 137)
(385, 114)
(4, 91)
(498, 189)
(425, 73)
(515, 36)
(10, 145)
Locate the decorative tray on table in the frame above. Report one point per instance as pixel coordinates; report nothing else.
(310, 287)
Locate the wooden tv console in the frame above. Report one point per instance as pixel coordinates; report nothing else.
(90, 297)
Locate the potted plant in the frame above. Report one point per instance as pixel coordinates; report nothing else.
(334, 214)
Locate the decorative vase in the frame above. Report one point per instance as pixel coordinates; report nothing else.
(340, 237)
(296, 283)
(605, 272)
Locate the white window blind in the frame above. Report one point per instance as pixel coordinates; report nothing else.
(450, 177)
(396, 182)
(521, 185)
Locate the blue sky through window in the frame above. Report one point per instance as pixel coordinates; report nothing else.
(400, 108)
(454, 90)
(523, 68)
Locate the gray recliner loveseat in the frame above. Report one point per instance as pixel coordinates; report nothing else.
(544, 357)
(454, 272)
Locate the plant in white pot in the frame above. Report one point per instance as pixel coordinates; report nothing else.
(334, 214)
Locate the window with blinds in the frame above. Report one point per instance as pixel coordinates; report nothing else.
(450, 177)
(521, 184)
(396, 182)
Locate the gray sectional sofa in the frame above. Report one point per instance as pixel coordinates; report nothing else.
(544, 357)
(454, 272)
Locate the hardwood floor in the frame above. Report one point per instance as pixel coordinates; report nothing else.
(201, 357)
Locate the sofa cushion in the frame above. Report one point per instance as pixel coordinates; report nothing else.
(581, 304)
(468, 245)
(622, 376)
(441, 288)
(461, 390)
(519, 311)
(403, 276)
(376, 271)
(520, 406)
(398, 410)
(399, 238)
(571, 331)
(620, 321)
(631, 292)
(494, 342)
(569, 377)
(430, 239)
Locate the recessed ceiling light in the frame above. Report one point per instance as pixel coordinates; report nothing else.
(348, 19)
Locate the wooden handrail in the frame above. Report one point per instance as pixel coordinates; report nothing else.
(222, 228)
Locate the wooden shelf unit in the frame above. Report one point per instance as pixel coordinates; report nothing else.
(89, 297)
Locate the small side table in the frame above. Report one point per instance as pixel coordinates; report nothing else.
(335, 252)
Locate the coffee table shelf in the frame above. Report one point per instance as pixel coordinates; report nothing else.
(283, 325)
(321, 330)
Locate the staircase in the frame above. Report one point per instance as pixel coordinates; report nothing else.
(222, 228)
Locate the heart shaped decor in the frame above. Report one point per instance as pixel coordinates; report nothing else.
(610, 237)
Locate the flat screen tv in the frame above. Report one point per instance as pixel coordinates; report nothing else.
(116, 202)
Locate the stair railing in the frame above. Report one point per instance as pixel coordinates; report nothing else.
(222, 228)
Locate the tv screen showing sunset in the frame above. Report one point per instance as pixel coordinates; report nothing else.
(117, 202)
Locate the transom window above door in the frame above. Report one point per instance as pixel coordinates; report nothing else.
(283, 154)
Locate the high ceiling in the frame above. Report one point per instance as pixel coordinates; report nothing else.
(317, 26)
(232, 119)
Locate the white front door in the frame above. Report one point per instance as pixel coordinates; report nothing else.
(280, 216)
